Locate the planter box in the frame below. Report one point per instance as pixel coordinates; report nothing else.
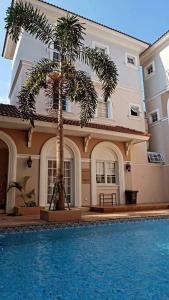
(26, 211)
(60, 215)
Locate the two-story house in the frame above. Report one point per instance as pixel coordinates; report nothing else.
(109, 155)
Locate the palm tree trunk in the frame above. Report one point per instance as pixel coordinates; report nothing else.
(61, 204)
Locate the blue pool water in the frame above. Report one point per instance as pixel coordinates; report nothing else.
(114, 262)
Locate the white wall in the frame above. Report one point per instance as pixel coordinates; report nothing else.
(156, 97)
(129, 85)
(159, 81)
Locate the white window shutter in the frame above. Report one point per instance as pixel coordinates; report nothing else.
(109, 109)
(96, 112)
(68, 104)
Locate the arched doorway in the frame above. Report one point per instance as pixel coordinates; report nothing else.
(8, 166)
(72, 168)
(4, 157)
(107, 171)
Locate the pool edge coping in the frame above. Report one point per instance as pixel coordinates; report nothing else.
(84, 223)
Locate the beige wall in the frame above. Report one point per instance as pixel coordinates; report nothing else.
(149, 179)
(146, 177)
(33, 172)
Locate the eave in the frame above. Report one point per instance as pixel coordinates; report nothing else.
(147, 53)
(9, 45)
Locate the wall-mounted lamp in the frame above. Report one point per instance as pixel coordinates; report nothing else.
(29, 162)
(128, 167)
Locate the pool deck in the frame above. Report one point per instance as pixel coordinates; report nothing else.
(87, 216)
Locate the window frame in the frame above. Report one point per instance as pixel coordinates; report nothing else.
(135, 65)
(146, 75)
(104, 172)
(150, 116)
(106, 162)
(53, 177)
(100, 45)
(107, 112)
(140, 110)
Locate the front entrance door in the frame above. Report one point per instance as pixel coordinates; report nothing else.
(52, 172)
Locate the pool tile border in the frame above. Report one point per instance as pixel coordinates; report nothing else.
(54, 226)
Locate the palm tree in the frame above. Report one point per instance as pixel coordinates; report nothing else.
(58, 77)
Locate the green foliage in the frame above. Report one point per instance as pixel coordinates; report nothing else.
(27, 196)
(80, 88)
(69, 34)
(35, 81)
(105, 69)
(24, 15)
(60, 74)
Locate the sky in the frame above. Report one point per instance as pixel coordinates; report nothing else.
(145, 19)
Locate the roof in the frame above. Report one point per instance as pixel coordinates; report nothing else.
(93, 21)
(85, 18)
(11, 111)
(159, 39)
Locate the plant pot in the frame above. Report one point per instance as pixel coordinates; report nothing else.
(60, 215)
(26, 211)
(131, 196)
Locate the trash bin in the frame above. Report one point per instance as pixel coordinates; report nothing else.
(131, 196)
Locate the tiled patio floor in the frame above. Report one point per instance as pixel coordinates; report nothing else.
(6, 221)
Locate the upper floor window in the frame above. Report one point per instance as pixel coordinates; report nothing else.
(131, 60)
(149, 70)
(106, 172)
(65, 104)
(102, 109)
(101, 50)
(134, 110)
(100, 47)
(55, 51)
(154, 116)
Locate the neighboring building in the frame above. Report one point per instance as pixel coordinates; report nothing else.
(97, 156)
(155, 62)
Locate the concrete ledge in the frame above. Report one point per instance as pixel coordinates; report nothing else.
(129, 207)
(27, 211)
(60, 215)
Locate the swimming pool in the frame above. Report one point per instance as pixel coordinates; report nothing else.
(117, 261)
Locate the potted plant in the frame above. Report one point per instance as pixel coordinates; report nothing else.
(29, 206)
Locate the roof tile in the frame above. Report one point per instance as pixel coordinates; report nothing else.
(11, 111)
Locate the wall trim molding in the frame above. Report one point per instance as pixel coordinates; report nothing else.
(115, 149)
(24, 156)
(43, 170)
(85, 160)
(12, 162)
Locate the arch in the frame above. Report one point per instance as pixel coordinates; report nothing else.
(43, 170)
(119, 155)
(10, 201)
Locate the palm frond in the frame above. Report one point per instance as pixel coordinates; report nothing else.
(80, 88)
(19, 185)
(24, 15)
(105, 69)
(16, 185)
(69, 33)
(23, 182)
(35, 81)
